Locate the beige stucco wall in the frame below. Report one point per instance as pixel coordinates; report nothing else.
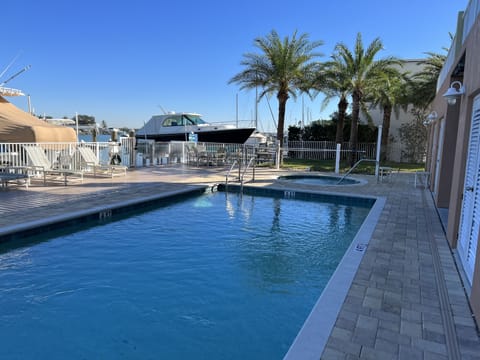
(471, 81)
(444, 181)
(453, 157)
(395, 147)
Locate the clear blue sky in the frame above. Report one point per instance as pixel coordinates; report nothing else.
(119, 61)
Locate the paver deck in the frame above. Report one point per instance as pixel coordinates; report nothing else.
(406, 300)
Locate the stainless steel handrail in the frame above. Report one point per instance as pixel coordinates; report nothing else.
(353, 167)
(252, 160)
(228, 173)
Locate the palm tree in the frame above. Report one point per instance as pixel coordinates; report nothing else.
(361, 69)
(425, 82)
(389, 94)
(283, 68)
(331, 81)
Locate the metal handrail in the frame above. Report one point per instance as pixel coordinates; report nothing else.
(241, 175)
(353, 167)
(252, 159)
(228, 173)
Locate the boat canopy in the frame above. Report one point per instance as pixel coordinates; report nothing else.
(18, 126)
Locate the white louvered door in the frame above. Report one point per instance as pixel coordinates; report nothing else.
(470, 215)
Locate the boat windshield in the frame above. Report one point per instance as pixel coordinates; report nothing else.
(182, 120)
(193, 120)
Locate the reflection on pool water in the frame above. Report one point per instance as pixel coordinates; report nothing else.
(221, 276)
(318, 180)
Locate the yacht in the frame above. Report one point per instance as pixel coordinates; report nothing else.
(190, 127)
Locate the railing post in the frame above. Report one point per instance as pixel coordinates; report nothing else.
(379, 145)
(278, 156)
(337, 159)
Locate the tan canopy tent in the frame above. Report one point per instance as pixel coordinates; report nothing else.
(18, 126)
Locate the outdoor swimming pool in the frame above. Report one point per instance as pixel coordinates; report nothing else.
(318, 180)
(212, 277)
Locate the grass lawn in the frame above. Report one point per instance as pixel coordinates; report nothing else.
(362, 168)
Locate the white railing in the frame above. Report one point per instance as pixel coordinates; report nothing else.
(13, 154)
(179, 152)
(191, 153)
(326, 150)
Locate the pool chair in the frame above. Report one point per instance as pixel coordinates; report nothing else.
(197, 154)
(90, 163)
(17, 174)
(39, 164)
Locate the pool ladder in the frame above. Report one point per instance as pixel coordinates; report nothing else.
(241, 175)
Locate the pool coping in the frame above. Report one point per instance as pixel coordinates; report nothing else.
(98, 213)
(315, 332)
(283, 179)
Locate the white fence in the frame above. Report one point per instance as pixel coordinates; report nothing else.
(65, 154)
(326, 150)
(176, 152)
(191, 153)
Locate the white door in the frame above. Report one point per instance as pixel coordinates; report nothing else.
(470, 215)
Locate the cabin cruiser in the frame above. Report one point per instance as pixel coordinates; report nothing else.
(191, 127)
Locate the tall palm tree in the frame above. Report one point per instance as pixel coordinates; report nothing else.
(283, 67)
(425, 82)
(361, 69)
(389, 94)
(332, 82)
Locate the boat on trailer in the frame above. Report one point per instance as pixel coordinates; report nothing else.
(191, 127)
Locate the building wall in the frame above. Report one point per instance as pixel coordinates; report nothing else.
(449, 192)
(472, 81)
(444, 181)
(395, 147)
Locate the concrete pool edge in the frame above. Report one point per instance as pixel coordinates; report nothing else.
(313, 336)
(287, 179)
(19, 231)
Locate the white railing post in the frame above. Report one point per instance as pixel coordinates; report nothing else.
(278, 155)
(379, 145)
(337, 159)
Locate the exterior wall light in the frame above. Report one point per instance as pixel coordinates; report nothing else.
(430, 118)
(454, 92)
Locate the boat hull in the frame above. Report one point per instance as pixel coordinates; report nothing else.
(225, 136)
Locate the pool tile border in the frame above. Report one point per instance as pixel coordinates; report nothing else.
(92, 215)
(315, 332)
(303, 194)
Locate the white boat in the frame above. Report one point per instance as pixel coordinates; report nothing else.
(191, 127)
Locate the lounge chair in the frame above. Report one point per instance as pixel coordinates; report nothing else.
(90, 163)
(38, 162)
(17, 174)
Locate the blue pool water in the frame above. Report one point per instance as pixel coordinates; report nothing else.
(220, 276)
(318, 180)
